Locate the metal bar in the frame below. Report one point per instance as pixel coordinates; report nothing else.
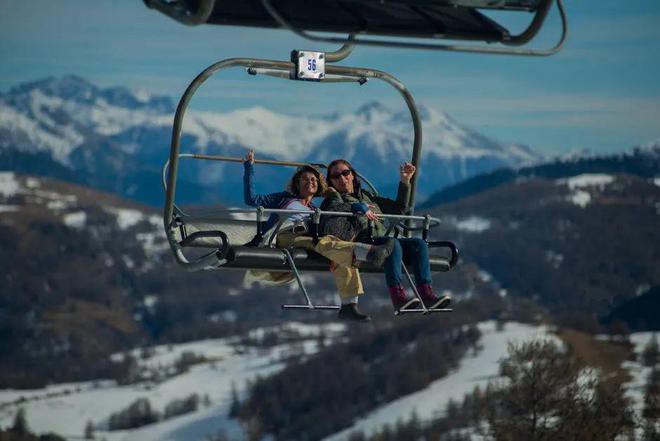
(421, 311)
(256, 161)
(292, 264)
(518, 39)
(308, 307)
(342, 52)
(414, 288)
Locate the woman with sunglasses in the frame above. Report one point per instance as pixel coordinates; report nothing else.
(349, 196)
(345, 256)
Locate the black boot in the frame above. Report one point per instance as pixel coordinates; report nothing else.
(349, 311)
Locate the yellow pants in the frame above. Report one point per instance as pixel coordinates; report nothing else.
(347, 278)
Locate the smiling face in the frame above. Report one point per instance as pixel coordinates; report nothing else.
(341, 178)
(308, 185)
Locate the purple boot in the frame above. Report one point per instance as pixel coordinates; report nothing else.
(430, 299)
(400, 300)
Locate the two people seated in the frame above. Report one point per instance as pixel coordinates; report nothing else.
(346, 241)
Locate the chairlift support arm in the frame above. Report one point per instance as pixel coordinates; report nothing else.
(286, 66)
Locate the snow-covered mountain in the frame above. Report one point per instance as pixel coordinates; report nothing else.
(118, 139)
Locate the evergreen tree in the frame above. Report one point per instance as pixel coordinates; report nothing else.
(652, 396)
(546, 396)
(89, 430)
(235, 403)
(20, 422)
(651, 352)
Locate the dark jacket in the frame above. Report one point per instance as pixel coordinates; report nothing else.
(351, 203)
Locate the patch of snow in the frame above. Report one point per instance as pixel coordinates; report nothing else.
(473, 370)
(473, 224)
(8, 184)
(126, 217)
(57, 205)
(153, 243)
(656, 181)
(555, 259)
(580, 198)
(77, 219)
(638, 372)
(485, 276)
(142, 95)
(150, 301)
(587, 180)
(579, 184)
(8, 208)
(32, 183)
(128, 261)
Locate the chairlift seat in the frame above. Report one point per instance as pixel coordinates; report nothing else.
(198, 232)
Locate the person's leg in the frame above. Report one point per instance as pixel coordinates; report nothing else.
(349, 286)
(392, 265)
(347, 278)
(415, 251)
(335, 249)
(400, 299)
(349, 283)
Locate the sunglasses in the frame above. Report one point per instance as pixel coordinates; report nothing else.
(337, 175)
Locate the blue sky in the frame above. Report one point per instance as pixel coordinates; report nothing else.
(601, 92)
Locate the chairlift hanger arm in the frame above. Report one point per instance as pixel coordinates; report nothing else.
(175, 146)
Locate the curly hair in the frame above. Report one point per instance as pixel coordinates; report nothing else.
(357, 184)
(293, 186)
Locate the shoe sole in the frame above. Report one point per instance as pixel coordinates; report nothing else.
(406, 305)
(442, 303)
(354, 319)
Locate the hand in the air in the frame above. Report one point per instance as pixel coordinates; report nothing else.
(406, 171)
(249, 157)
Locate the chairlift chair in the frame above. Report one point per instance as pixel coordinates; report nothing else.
(223, 235)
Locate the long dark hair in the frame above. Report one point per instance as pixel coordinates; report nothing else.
(293, 186)
(357, 184)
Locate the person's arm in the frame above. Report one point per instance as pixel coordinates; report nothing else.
(398, 206)
(250, 197)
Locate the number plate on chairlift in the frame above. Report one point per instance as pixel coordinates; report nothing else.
(309, 65)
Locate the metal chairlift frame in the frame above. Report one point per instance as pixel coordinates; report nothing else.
(184, 12)
(174, 218)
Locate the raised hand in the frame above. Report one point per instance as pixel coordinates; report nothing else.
(249, 157)
(406, 171)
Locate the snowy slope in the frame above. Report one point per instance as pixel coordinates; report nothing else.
(473, 370)
(67, 408)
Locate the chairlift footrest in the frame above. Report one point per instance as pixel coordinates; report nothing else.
(421, 311)
(310, 307)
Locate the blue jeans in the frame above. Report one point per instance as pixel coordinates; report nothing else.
(410, 250)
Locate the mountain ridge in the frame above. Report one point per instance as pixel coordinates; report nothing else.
(69, 118)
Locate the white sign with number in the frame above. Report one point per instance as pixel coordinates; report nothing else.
(310, 65)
